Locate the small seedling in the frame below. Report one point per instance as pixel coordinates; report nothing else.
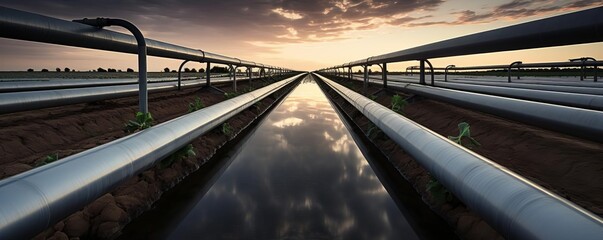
(196, 105)
(142, 121)
(439, 193)
(398, 104)
(48, 159)
(227, 129)
(464, 131)
(180, 154)
(230, 95)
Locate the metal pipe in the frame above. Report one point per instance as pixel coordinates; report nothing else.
(22, 25)
(180, 73)
(421, 72)
(143, 94)
(510, 203)
(578, 122)
(366, 76)
(432, 72)
(587, 101)
(573, 28)
(511, 66)
(34, 200)
(446, 72)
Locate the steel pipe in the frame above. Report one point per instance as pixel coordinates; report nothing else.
(579, 122)
(34, 200)
(27, 26)
(511, 204)
(573, 28)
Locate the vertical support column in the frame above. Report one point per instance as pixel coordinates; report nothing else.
(366, 76)
(180, 74)
(421, 72)
(234, 78)
(350, 73)
(250, 69)
(511, 66)
(384, 72)
(208, 75)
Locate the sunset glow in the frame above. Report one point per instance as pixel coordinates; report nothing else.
(302, 35)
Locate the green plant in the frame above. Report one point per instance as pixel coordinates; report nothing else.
(227, 129)
(181, 154)
(398, 104)
(196, 105)
(230, 95)
(438, 192)
(48, 159)
(373, 97)
(464, 132)
(142, 121)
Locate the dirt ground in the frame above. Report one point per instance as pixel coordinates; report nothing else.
(28, 137)
(569, 166)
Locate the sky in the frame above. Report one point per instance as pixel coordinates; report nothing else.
(296, 34)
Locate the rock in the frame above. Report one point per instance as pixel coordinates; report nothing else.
(112, 213)
(76, 225)
(130, 204)
(95, 208)
(168, 175)
(107, 230)
(59, 236)
(148, 176)
(59, 226)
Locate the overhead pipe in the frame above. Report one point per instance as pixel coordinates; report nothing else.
(573, 28)
(34, 200)
(143, 94)
(27, 26)
(513, 205)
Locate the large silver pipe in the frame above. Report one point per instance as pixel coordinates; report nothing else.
(562, 98)
(579, 122)
(573, 28)
(513, 205)
(36, 199)
(30, 100)
(22, 25)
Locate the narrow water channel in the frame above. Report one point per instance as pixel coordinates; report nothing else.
(298, 175)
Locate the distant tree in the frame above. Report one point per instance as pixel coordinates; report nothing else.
(217, 69)
(101, 70)
(201, 70)
(174, 71)
(187, 70)
(166, 70)
(58, 69)
(67, 70)
(119, 70)
(129, 70)
(370, 71)
(193, 70)
(111, 70)
(30, 70)
(238, 70)
(44, 70)
(359, 71)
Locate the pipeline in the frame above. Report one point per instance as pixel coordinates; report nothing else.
(562, 98)
(24, 101)
(514, 206)
(36, 199)
(584, 123)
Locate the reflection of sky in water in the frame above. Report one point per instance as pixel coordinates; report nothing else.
(299, 176)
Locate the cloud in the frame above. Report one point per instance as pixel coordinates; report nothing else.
(513, 10)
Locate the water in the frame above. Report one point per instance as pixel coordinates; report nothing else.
(298, 175)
